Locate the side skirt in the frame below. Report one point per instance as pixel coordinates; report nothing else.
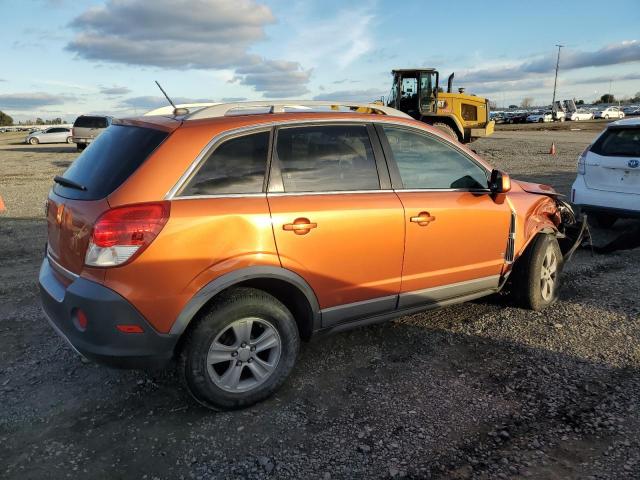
(384, 317)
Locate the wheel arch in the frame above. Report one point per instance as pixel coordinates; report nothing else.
(288, 287)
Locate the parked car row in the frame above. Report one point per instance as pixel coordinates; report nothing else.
(548, 115)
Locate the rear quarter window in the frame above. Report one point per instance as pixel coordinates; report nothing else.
(109, 161)
(618, 142)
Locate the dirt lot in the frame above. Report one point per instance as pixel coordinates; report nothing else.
(480, 390)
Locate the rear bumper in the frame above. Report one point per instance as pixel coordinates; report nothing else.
(101, 341)
(81, 140)
(602, 201)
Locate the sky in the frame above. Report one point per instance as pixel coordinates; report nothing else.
(63, 58)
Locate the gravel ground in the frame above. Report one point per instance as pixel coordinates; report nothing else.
(480, 390)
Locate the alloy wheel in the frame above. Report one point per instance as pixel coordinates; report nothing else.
(549, 274)
(244, 355)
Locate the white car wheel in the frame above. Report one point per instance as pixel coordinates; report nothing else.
(33, 141)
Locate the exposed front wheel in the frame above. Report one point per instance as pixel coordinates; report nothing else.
(241, 351)
(34, 141)
(536, 277)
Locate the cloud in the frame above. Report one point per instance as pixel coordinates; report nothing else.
(182, 34)
(151, 102)
(170, 33)
(275, 78)
(233, 99)
(613, 54)
(606, 79)
(115, 90)
(30, 101)
(340, 40)
(368, 95)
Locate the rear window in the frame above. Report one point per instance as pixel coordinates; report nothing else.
(90, 122)
(618, 142)
(109, 161)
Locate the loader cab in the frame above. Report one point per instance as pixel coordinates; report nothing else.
(414, 92)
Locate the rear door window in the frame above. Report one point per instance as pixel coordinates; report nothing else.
(109, 161)
(618, 142)
(326, 158)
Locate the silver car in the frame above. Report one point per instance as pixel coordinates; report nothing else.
(50, 135)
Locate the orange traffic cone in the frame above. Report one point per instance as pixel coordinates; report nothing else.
(2, 207)
(553, 148)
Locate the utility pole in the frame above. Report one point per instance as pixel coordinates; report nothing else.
(555, 81)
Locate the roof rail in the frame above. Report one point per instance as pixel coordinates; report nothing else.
(213, 110)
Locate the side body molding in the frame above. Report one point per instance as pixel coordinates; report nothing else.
(214, 287)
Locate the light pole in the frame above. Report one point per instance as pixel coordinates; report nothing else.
(555, 81)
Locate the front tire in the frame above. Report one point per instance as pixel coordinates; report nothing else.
(34, 141)
(536, 278)
(241, 351)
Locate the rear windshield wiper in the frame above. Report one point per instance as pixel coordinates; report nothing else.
(65, 182)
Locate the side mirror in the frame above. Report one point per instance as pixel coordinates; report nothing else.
(499, 182)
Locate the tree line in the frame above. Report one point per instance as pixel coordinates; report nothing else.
(7, 121)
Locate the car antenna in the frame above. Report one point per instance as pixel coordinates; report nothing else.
(176, 111)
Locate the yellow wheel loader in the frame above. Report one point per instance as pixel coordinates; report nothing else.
(460, 115)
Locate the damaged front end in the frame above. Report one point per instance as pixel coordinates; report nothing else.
(572, 228)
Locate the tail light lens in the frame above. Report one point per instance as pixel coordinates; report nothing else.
(582, 167)
(122, 233)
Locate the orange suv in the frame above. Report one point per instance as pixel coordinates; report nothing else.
(222, 235)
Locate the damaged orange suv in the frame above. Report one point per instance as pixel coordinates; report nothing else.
(223, 235)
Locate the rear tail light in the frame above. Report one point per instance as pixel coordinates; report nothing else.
(122, 233)
(582, 167)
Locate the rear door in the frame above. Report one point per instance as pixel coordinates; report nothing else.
(98, 171)
(336, 221)
(456, 233)
(613, 162)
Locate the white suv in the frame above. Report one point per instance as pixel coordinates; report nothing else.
(608, 183)
(609, 112)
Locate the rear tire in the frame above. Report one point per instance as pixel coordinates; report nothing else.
(81, 146)
(241, 351)
(536, 278)
(69, 140)
(446, 129)
(602, 220)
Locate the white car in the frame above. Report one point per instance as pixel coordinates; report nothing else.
(609, 112)
(607, 186)
(540, 117)
(579, 115)
(50, 135)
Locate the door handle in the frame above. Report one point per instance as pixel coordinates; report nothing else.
(423, 219)
(300, 226)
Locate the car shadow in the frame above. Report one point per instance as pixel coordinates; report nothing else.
(48, 148)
